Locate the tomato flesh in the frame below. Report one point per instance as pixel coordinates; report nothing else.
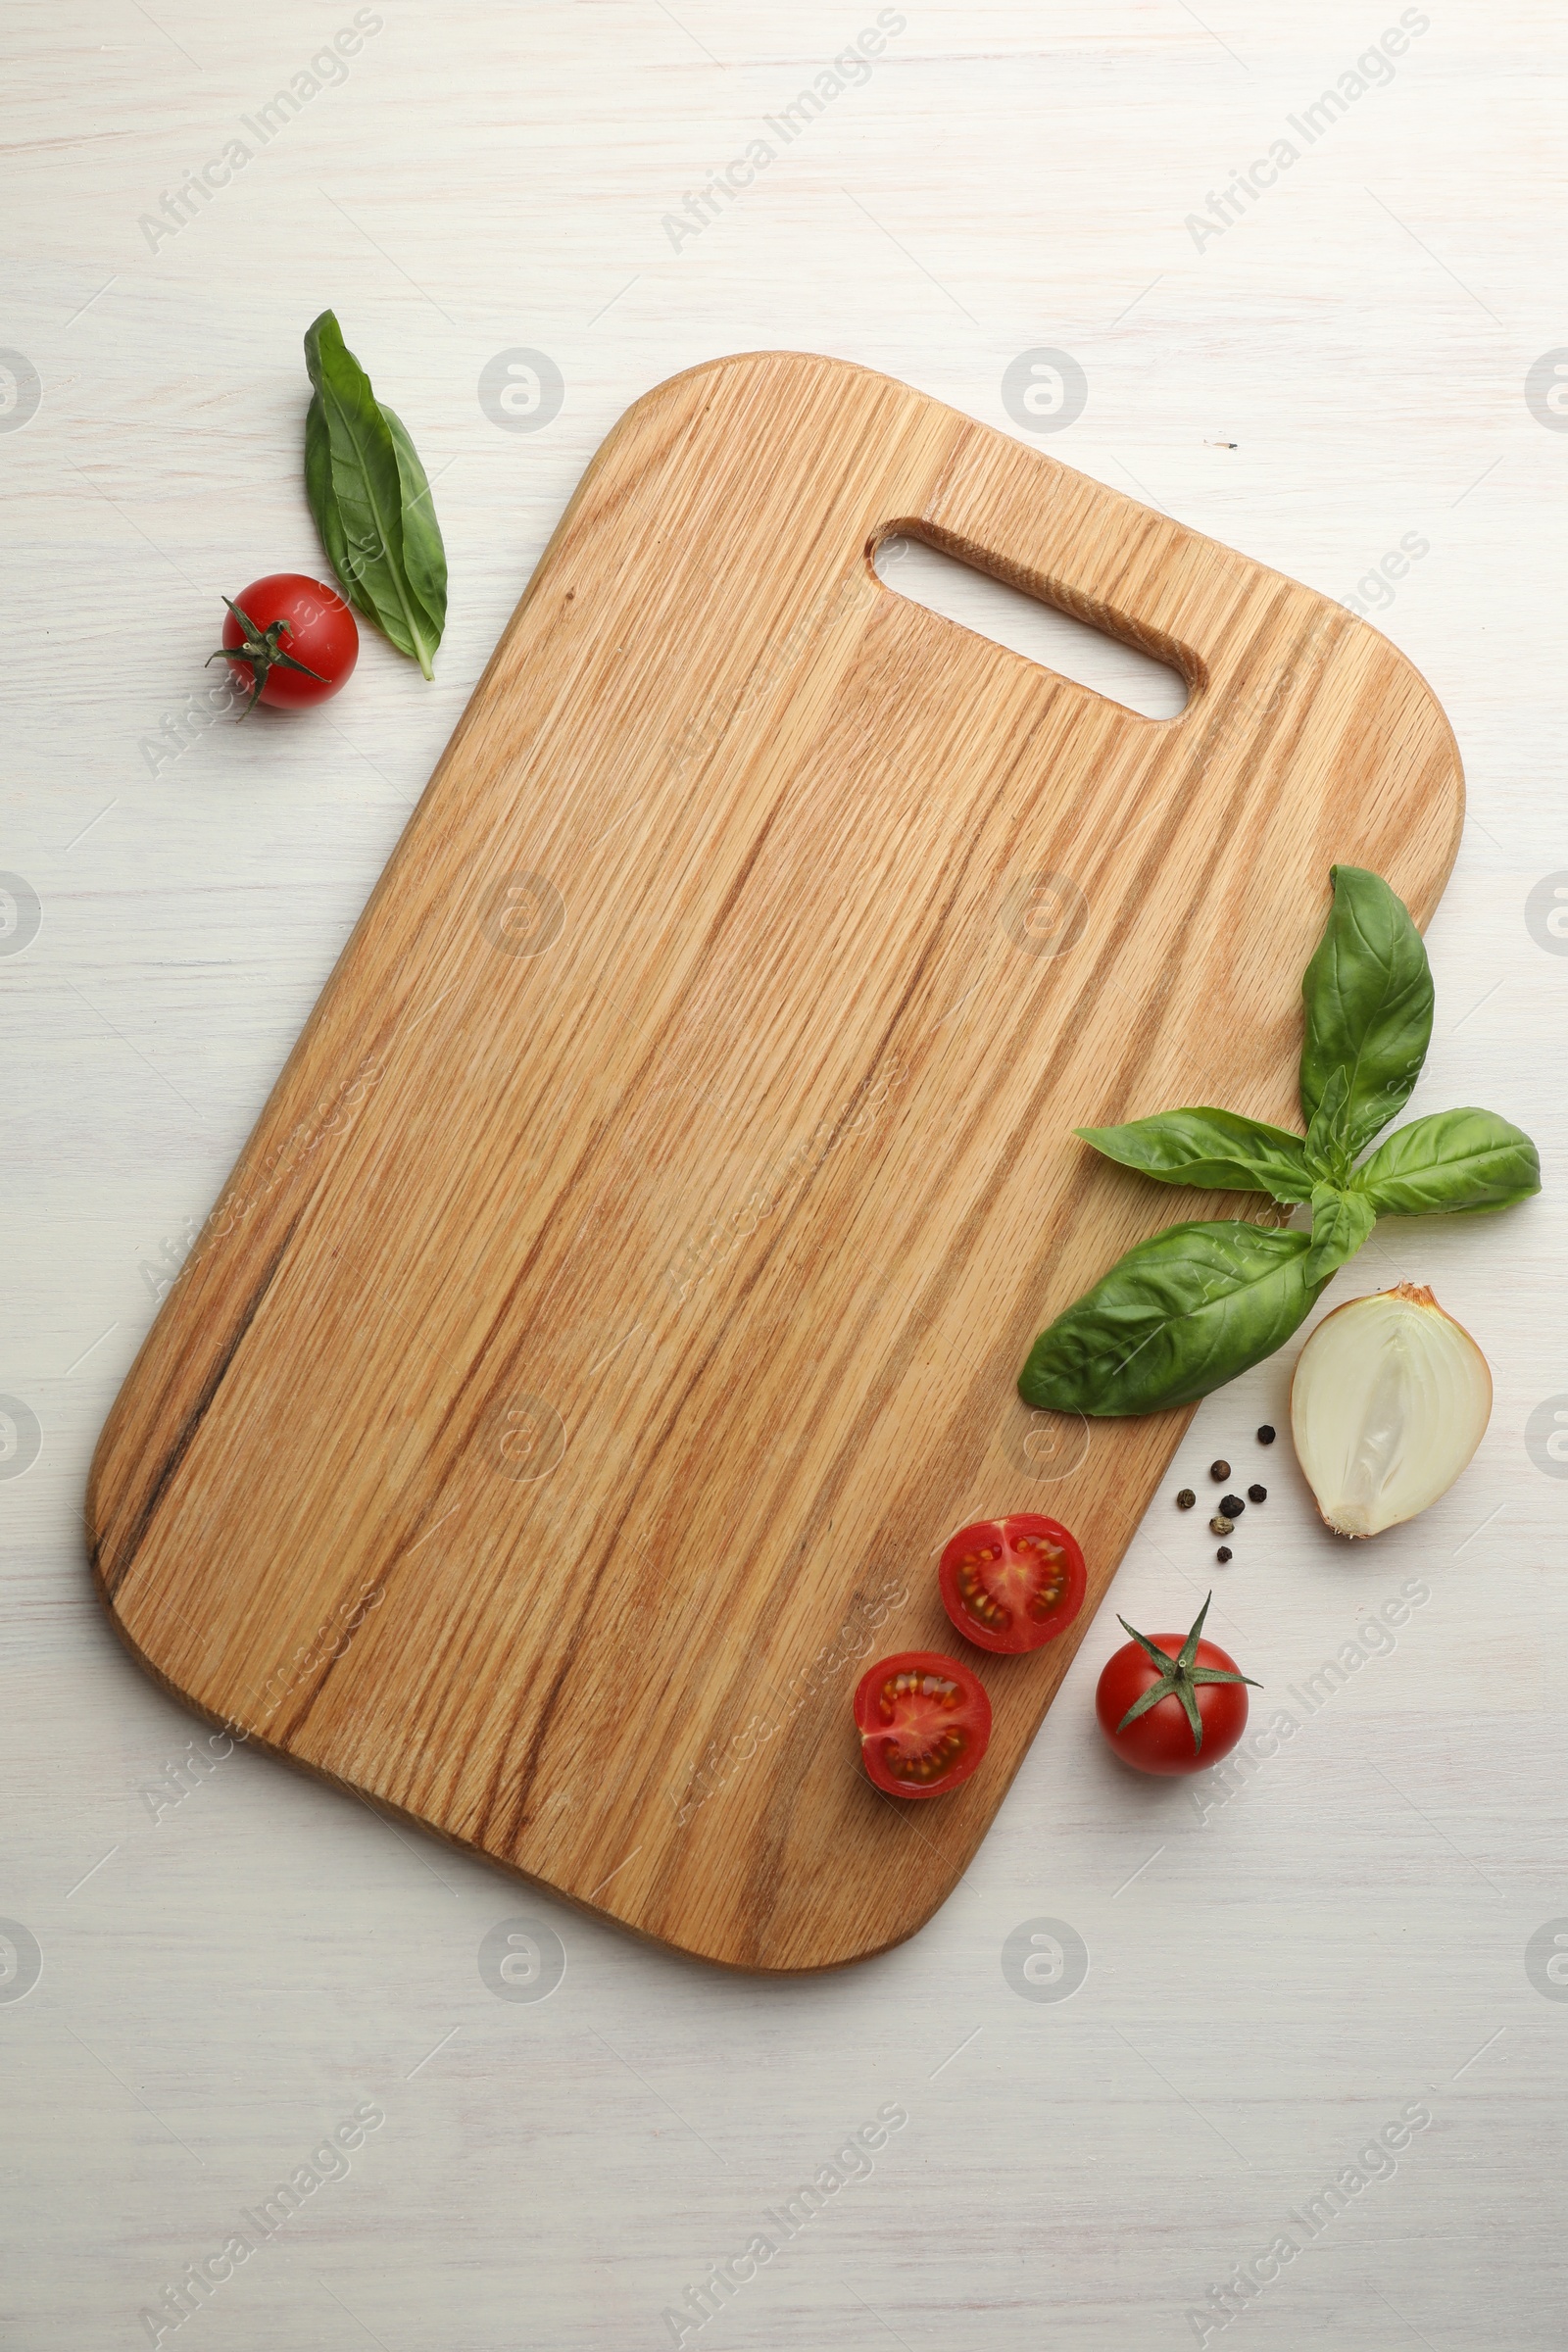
(1011, 1585)
(924, 1723)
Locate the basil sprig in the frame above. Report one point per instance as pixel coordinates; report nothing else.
(371, 500)
(1188, 1310)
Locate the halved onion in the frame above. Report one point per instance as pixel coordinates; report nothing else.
(1390, 1400)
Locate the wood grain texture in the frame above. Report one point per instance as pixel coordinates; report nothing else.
(692, 1106)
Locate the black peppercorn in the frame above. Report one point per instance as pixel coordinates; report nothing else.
(1223, 1554)
(1186, 1499)
(1257, 1493)
(1232, 1505)
(1219, 1472)
(1266, 1435)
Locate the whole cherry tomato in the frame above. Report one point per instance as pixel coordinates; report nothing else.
(1010, 1585)
(1172, 1703)
(924, 1722)
(290, 640)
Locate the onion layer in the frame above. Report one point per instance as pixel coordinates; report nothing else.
(1390, 1400)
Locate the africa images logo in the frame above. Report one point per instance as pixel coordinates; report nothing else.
(1373, 70)
(851, 70)
(182, 204)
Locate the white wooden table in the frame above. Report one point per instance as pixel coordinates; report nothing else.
(235, 1962)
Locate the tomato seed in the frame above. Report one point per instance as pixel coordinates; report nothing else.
(908, 1686)
(976, 1599)
(933, 1764)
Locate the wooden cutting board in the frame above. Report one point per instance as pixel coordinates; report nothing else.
(621, 1295)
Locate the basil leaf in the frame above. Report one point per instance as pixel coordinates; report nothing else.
(322, 500)
(1217, 1149)
(360, 485)
(1462, 1161)
(1341, 1223)
(1326, 1149)
(424, 554)
(1368, 993)
(1179, 1315)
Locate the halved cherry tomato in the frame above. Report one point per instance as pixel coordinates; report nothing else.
(1010, 1585)
(924, 1722)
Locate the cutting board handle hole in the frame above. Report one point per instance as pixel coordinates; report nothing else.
(1026, 625)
